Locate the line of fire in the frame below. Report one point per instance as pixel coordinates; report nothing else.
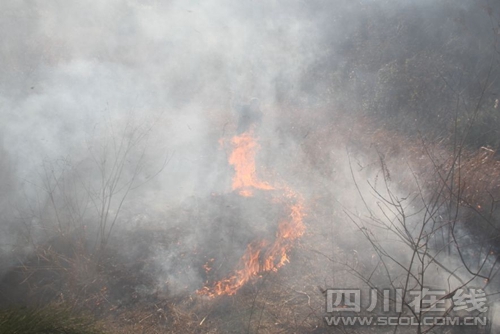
(265, 254)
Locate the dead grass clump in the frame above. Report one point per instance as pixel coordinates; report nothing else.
(479, 177)
(50, 319)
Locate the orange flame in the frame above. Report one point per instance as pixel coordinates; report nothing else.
(260, 255)
(243, 160)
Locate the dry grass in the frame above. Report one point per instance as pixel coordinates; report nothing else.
(53, 318)
(289, 301)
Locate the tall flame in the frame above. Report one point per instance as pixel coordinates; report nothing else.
(243, 160)
(260, 255)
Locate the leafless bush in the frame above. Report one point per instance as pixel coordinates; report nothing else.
(76, 203)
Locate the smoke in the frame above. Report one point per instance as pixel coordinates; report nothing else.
(87, 64)
(80, 81)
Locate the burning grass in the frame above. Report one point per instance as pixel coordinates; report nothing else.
(235, 242)
(261, 255)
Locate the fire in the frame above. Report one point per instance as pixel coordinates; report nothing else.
(260, 255)
(243, 160)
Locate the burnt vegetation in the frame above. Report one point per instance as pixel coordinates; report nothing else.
(373, 164)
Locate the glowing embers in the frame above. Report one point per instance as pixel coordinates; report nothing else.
(261, 255)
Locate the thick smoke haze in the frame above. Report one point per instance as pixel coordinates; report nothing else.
(67, 68)
(142, 98)
(77, 78)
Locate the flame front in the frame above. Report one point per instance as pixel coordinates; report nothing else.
(260, 255)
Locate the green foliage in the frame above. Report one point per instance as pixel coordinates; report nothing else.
(51, 319)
